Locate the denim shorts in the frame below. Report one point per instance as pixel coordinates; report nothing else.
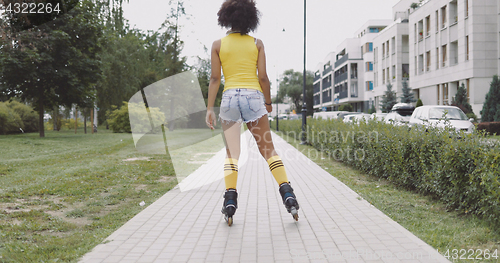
(242, 104)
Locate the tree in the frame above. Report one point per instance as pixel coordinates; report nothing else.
(460, 100)
(54, 63)
(292, 86)
(419, 103)
(491, 106)
(346, 107)
(408, 95)
(388, 99)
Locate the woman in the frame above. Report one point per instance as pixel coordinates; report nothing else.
(246, 97)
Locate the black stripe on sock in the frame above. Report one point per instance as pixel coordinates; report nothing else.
(275, 164)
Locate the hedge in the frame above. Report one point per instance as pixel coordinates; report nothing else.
(16, 117)
(490, 127)
(462, 171)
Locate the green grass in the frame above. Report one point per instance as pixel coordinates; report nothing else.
(62, 195)
(424, 217)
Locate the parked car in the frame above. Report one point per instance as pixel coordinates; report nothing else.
(400, 114)
(356, 117)
(441, 116)
(378, 116)
(344, 113)
(325, 115)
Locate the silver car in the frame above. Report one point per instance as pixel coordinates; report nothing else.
(441, 116)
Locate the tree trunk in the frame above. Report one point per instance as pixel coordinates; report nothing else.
(85, 121)
(41, 128)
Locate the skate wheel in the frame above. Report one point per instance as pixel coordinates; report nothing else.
(295, 213)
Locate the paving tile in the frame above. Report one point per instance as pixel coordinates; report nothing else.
(333, 226)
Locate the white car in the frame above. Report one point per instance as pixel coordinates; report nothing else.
(400, 114)
(441, 116)
(378, 116)
(356, 117)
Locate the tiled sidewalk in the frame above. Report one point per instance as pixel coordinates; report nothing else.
(335, 224)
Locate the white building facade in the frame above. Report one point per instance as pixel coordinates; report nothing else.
(453, 42)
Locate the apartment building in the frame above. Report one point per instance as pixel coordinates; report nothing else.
(323, 83)
(391, 62)
(349, 71)
(453, 42)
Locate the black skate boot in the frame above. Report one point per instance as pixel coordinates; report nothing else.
(229, 206)
(289, 200)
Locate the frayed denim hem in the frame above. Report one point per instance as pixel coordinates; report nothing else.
(256, 120)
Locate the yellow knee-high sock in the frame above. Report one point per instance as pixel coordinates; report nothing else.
(231, 172)
(277, 169)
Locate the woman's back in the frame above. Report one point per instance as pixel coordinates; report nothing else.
(238, 56)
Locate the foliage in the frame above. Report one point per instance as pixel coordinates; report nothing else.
(372, 109)
(492, 128)
(408, 96)
(119, 119)
(55, 63)
(28, 115)
(491, 106)
(346, 107)
(388, 99)
(10, 121)
(460, 100)
(419, 103)
(291, 86)
(16, 117)
(463, 173)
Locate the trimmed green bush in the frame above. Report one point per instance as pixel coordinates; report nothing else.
(491, 128)
(462, 171)
(28, 115)
(10, 121)
(119, 118)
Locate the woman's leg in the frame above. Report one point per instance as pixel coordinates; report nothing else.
(231, 135)
(262, 133)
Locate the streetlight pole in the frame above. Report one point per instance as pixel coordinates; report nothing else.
(277, 103)
(304, 109)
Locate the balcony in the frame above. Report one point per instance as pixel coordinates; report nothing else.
(343, 94)
(342, 60)
(316, 88)
(326, 96)
(341, 77)
(327, 70)
(316, 100)
(317, 77)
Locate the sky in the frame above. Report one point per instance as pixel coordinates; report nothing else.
(328, 23)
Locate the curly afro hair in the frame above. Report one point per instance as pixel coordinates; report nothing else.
(239, 15)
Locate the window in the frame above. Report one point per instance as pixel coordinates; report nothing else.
(467, 86)
(370, 47)
(437, 21)
(428, 60)
(387, 72)
(383, 50)
(466, 4)
(445, 58)
(369, 66)
(439, 98)
(437, 58)
(393, 45)
(393, 73)
(428, 25)
(445, 94)
(420, 30)
(466, 47)
(387, 46)
(369, 85)
(374, 30)
(443, 17)
(383, 76)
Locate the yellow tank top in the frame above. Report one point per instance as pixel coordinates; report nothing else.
(238, 55)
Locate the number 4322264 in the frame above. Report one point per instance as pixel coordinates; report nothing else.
(477, 254)
(33, 8)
